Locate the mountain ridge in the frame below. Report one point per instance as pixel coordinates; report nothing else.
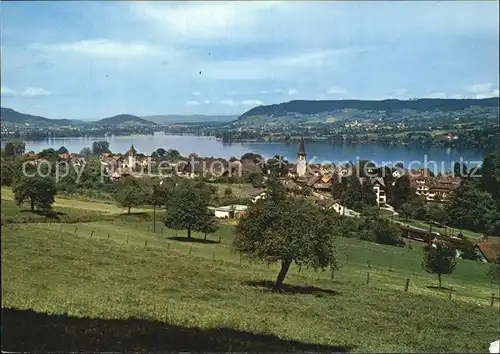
(311, 107)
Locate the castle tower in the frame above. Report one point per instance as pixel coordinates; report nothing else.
(301, 159)
(131, 156)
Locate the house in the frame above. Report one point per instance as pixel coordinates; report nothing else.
(230, 211)
(325, 203)
(488, 249)
(378, 188)
(323, 183)
(207, 167)
(340, 209)
(256, 196)
(434, 188)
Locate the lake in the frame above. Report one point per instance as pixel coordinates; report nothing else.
(321, 151)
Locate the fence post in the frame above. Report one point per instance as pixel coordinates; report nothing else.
(168, 246)
(449, 294)
(145, 243)
(390, 267)
(60, 228)
(127, 239)
(76, 228)
(407, 284)
(91, 233)
(219, 238)
(213, 255)
(367, 278)
(369, 265)
(332, 276)
(492, 299)
(190, 247)
(108, 235)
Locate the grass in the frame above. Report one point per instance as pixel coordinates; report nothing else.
(67, 279)
(70, 287)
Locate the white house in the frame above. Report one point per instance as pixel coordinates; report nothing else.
(230, 211)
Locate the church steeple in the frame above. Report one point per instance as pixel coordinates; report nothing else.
(302, 150)
(301, 159)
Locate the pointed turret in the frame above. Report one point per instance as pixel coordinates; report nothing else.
(302, 150)
(132, 150)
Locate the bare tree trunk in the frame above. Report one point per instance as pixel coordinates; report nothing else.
(189, 233)
(32, 204)
(285, 266)
(439, 279)
(129, 209)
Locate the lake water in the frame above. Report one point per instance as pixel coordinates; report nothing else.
(321, 151)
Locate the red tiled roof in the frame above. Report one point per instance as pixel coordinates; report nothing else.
(490, 248)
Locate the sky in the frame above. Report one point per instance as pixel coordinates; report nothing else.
(88, 60)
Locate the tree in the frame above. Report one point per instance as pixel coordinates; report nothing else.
(286, 230)
(228, 192)
(494, 271)
(471, 208)
(368, 196)
(187, 208)
(209, 226)
(161, 152)
(173, 155)
(129, 195)
(62, 150)
(460, 170)
(38, 191)
(490, 176)
(100, 147)
(252, 157)
(402, 192)
(86, 152)
(439, 259)
(14, 148)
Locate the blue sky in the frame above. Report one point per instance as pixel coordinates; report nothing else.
(87, 60)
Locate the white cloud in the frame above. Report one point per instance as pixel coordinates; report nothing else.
(98, 47)
(35, 92)
(436, 95)
(228, 102)
(252, 102)
(202, 20)
(479, 88)
(196, 93)
(292, 92)
(192, 103)
(277, 67)
(7, 92)
(206, 101)
(336, 91)
(485, 90)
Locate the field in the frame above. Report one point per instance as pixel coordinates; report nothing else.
(113, 284)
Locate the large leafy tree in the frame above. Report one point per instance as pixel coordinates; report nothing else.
(130, 193)
(100, 147)
(368, 196)
(402, 192)
(494, 271)
(187, 208)
(38, 191)
(439, 259)
(14, 148)
(472, 209)
(62, 150)
(286, 230)
(490, 176)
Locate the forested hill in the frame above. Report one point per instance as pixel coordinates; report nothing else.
(9, 115)
(124, 119)
(315, 107)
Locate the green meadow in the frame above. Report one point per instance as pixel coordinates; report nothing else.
(113, 283)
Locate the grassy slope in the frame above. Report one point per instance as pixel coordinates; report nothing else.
(51, 270)
(56, 272)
